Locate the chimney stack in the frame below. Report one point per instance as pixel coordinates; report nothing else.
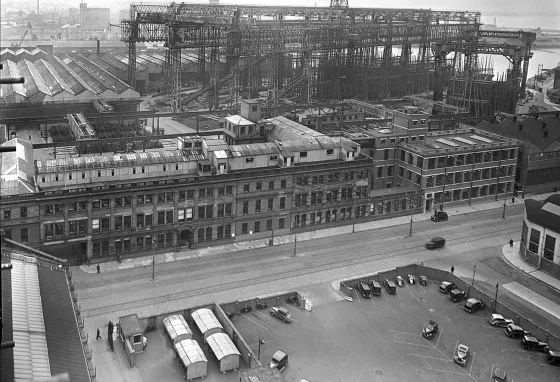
(98, 47)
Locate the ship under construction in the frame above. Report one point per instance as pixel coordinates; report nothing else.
(331, 53)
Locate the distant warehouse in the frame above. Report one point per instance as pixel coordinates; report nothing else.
(94, 18)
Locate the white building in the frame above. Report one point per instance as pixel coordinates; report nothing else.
(540, 238)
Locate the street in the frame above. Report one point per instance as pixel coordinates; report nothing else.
(475, 238)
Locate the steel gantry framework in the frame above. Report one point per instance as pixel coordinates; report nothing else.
(324, 53)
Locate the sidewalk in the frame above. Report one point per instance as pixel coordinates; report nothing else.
(512, 257)
(303, 236)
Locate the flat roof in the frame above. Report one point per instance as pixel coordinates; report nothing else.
(238, 120)
(130, 325)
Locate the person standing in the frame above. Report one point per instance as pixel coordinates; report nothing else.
(511, 242)
(98, 268)
(98, 335)
(452, 269)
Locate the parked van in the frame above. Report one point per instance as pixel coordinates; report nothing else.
(279, 360)
(436, 242)
(375, 287)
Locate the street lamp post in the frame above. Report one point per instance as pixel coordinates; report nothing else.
(295, 245)
(496, 299)
(473, 273)
(153, 260)
(261, 342)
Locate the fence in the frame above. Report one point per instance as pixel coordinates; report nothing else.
(437, 275)
(539, 262)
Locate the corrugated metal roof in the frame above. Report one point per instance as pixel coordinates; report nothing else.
(189, 352)
(220, 154)
(216, 144)
(66, 354)
(238, 120)
(254, 149)
(206, 320)
(176, 326)
(222, 345)
(118, 160)
(31, 356)
(302, 145)
(288, 123)
(552, 208)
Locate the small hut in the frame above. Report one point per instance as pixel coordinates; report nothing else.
(207, 322)
(225, 351)
(192, 358)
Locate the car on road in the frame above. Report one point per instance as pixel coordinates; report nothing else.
(553, 357)
(462, 353)
(499, 320)
(436, 242)
(364, 289)
(457, 295)
(446, 286)
(516, 331)
(281, 314)
(532, 343)
(499, 375)
(390, 286)
(430, 329)
(439, 216)
(472, 305)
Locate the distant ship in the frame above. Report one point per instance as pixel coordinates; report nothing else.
(547, 38)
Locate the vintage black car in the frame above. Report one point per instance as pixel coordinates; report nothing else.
(531, 343)
(440, 216)
(516, 331)
(462, 353)
(446, 286)
(281, 313)
(411, 279)
(472, 305)
(430, 329)
(364, 289)
(390, 286)
(457, 295)
(553, 357)
(436, 242)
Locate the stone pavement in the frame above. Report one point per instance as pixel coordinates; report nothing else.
(304, 236)
(513, 258)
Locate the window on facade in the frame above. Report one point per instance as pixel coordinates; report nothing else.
(118, 223)
(161, 217)
(257, 227)
(283, 183)
(380, 172)
(169, 217)
(245, 188)
(245, 208)
(271, 185)
(259, 186)
(244, 229)
(257, 206)
(220, 232)
(270, 205)
(149, 220)
(208, 233)
(140, 220)
(249, 160)
(24, 235)
(281, 223)
(94, 225)
(534, 240)
(549, 244)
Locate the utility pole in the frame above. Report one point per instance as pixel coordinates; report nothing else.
(504, 213)
(261, 342)
(295, 245)
(496, 299)
(153, 260)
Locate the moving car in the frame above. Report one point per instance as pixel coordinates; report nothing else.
(430, 329)
(553, 357)
(472, 305)
(364, 289)
(499, 320)
(390, 286)
(499, 375)
(279, 360)
(516, 331)
(375, 287)
(439, 216)
(281, 314)
(462, 353)
(531, 343)
(457, 295)
(446, 286)
(436, 242)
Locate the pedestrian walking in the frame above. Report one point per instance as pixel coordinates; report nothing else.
(511, 242)
(512, 200)
(98, 268)
(452, 269)
(98, 335)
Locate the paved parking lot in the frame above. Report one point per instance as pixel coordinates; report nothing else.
(378, 339)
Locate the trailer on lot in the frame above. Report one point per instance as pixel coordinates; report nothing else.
(177, 328)
(193, 360)
(207, 323)
(225, 351)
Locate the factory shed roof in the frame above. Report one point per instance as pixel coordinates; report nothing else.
(110, 81)
(216, 144)
(114, 62)
(254, 149)
(118, 160)
(222, 345)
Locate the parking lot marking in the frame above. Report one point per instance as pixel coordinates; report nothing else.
(492, 372)
(332, 350)
(344, 364)
(363, 371)
(327, 362)
(472, 362)
(422, 286)
(488, 326)
(440, 333)
(445, 371)
(426, 356)
(412, 334)
(358, 295)
(410, 343)
(383, 293)
(410, 290)
(264, 327)
(398, 294)
(295, 307)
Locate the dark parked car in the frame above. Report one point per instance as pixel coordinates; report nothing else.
(446, 286)
(516, 331)
(439, 216)
(499, 320)
(499, 375)
(364, 289)
(531, 343)
(462, 353)
(430, 329)
(423, 280)
(553, 357)
(390, 286)
(472, 305)
(457, 295)
(375, 287)
(411, 279)
(436, 242)
(281, 313)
